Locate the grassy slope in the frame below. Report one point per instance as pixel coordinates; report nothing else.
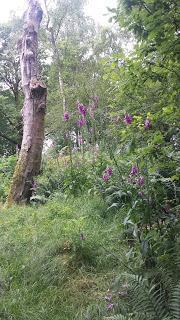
(46, 270)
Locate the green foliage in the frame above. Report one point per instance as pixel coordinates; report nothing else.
(10, 96)
(144, 85)
(146, 300)
(7, 165)
(60, 259)
(60, 175)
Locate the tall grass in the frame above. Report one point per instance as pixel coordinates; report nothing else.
(56, 260)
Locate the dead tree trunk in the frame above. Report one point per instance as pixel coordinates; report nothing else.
(33, 112)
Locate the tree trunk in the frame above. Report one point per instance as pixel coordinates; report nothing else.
(57, 58)
(33, 112)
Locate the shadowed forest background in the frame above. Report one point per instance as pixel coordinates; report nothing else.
(98, 236)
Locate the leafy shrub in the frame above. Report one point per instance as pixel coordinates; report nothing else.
(71, 176)
(7, 165)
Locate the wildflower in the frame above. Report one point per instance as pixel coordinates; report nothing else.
(91, 113)
(110, 306)
(92, 107)
(131, 180)
(141, 194)
(140, 181)
(95, 102)
(107, 174)
(109, 171)
(123, 293)
(81, 122)
(82, 237)
(96, 99)
(34, 185)
(134, 170)
(147, 123)
(66, 116)
(105, 177)
(128, 118)
(108, 297)
(82, 109)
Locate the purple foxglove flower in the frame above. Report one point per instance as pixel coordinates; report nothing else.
(134, 170)
(82, 237)
(109, 171)
(105, 178)
(81, 122)
(128, 118)
(96, 101)
(141, 194)
(147, 123)
(140, 181)
(110, 306)
(91, 113)
(66, 116)
(82, 109)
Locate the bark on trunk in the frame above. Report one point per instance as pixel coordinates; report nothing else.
(60, 79)
(33, 112)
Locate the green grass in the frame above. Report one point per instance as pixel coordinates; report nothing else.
(46, 271)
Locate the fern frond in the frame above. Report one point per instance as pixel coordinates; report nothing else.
(149, 298)
(175, 302)
(134, 316)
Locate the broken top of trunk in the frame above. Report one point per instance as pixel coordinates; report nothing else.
(28, 43)
(33, 16)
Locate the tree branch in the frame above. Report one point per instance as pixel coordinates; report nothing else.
(146, 7)
(60, 23)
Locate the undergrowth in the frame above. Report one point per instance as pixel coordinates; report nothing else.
(57, 260)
